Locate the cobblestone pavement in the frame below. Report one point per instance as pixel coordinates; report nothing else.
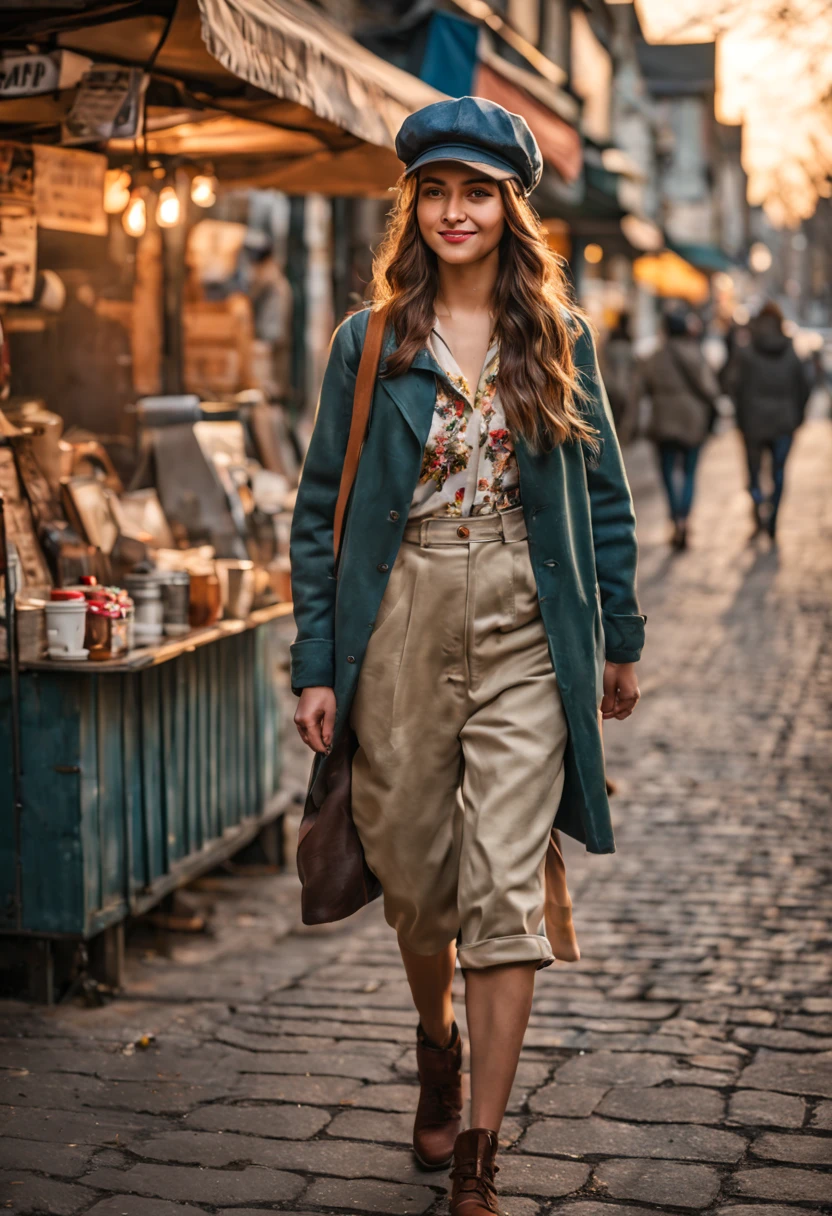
(685, 1065)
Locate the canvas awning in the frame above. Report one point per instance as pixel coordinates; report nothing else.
(329, 108)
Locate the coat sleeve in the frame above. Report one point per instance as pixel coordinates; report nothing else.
(613, 517)
(313, 575)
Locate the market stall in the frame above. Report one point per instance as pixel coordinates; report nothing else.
(148, 462)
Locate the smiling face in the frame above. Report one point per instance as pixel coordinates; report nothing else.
(459, 211)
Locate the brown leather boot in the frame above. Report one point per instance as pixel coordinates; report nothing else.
(439, 1113)
(474, 1193)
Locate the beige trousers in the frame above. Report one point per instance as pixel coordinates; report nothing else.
(461, 735)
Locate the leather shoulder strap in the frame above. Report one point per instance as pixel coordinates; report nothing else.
(362, 400)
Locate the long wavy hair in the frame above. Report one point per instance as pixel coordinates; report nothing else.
(536, 321)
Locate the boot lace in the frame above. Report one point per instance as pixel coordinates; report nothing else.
(483, 1187)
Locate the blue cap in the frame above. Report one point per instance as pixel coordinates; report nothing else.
(476, 132)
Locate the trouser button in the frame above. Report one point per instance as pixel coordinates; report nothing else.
(463, 531)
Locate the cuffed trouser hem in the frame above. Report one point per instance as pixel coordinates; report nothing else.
(497, 951)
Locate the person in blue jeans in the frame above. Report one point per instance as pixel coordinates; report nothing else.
(770, 388)
(683, 391)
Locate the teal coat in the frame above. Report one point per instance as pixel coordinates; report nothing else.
(581, 528)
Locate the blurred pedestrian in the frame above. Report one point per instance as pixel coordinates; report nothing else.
(770, 387)
(621, 378)
(683, 392)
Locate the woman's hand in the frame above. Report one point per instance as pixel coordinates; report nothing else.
(621, 694)
(315, 718)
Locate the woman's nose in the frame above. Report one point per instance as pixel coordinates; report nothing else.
(454, 209)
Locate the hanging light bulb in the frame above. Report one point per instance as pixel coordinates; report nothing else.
(168, 209)
(134, 220)
(204, 190)
(116, 190)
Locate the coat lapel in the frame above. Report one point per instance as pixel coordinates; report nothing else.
(414, 392)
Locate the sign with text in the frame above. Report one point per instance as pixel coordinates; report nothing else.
(18, 230)
(32, 75)
(69, 190)
(108, 105)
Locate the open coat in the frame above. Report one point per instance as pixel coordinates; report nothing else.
(581, 527)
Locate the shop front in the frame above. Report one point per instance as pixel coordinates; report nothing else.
(153, 329)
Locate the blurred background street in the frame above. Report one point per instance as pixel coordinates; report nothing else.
(684, 1065)
(191, 192)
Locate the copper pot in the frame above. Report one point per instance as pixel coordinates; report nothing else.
(206, 600)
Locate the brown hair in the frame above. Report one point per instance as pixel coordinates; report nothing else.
(536, 321)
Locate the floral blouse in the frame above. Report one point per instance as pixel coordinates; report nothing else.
(469, 466)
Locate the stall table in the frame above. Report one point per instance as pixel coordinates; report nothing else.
(138, 774)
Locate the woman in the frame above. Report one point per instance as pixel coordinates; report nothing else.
(683, 391)
(770, 389)
(463, 637)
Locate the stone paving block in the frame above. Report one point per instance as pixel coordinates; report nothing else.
(285, 1122)
(764, 1209)
(219, 1188)
(822, 1117)
(664, 1104)
(159, 1098)
(339, 1063)
(807, 1073)
(388, 1097)
(521, 1174)
(630, 1068)
(368, 1196)
(515, 1206)
(58, 1159)
(797, 1150)
(318, 1091)
(343, 1158)
(611, 1138)
(256, 1043)
(786, 1185)
(570, 1101)
(138, 1205)
(588, 1207)
(59, 1092)
(816, 1024)
(26, 1195)
(79, 1126)
(782, 1040)
(755, 1107)
(684, 1186)
(373, 1125)
(651, 1011)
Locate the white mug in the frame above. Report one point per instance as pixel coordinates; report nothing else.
(66, 622)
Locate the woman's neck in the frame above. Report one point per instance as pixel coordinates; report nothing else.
(464, 290)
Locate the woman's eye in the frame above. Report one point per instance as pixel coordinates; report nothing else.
(478, 193)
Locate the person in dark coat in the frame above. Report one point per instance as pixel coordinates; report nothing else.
(770, 388)
(683, 392)
(619, 368)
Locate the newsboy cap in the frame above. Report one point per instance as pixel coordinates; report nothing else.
(475, 131)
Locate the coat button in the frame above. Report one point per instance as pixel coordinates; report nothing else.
(394, 515)
(550, 561)
(463, 531)
(382, 567)
(350, 658)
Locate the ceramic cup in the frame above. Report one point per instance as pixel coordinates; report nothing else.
(66, 621)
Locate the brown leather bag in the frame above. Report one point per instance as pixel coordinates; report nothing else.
(333, 871)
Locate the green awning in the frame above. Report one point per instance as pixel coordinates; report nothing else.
(705, 257)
